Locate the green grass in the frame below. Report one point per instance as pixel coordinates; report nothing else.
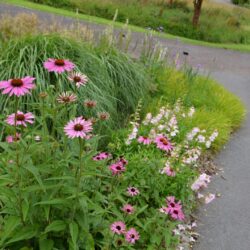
(93, 19)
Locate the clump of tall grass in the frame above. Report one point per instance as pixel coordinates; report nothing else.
(24, 24)
(116, 81)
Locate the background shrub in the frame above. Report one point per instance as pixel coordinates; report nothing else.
(217, 23)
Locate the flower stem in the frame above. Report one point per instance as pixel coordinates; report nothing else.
(19, 179)
(78, 175)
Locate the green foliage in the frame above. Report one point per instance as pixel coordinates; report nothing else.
(215, 24)
(241, 2)
(68, 201)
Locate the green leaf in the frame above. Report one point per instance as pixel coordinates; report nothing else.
(25, 209)
(56, 226)
(36, 174)
(60, 178)
(10, 225)
(6, 180)
(141, 210)
(51, 202)
(45, 244)
(73, 228)
(24, 233)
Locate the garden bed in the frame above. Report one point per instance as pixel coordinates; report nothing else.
(106, 158)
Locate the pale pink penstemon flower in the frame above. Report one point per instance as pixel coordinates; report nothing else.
(20, 119)
(58, 65)
(209, 198)
(17, 86)
(201, 182)
(78, 78)
(79, 127)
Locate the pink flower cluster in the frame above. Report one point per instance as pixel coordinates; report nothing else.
(118, 167)
(131, 235)
(201, 182)
(12, 138)
(101, 156)
(61, 65)
(174, 209)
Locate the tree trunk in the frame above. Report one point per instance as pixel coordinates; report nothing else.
(162, 8)
(144, 2)
(197, 12)
(170, 3)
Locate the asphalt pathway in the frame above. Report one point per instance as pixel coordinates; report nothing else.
(225, 223)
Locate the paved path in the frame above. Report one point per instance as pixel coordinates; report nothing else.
(225, 225)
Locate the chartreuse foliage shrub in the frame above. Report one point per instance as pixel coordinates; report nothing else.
(216, 108)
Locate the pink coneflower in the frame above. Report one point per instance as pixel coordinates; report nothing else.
(132, 236)
(144, 140)
(90, 103)
(78, 78)
(11, 138)
(66, 98)
(118, 227)
(117, 168)
(177, 214)
(58, 65)
(170, 200)
(163, 143)
(168, 171)
(20, 118)
(78, 127)
(101, 156)
(123, 161)
(18, 86)
(129, 209)
(132, 191)
(103, 116)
